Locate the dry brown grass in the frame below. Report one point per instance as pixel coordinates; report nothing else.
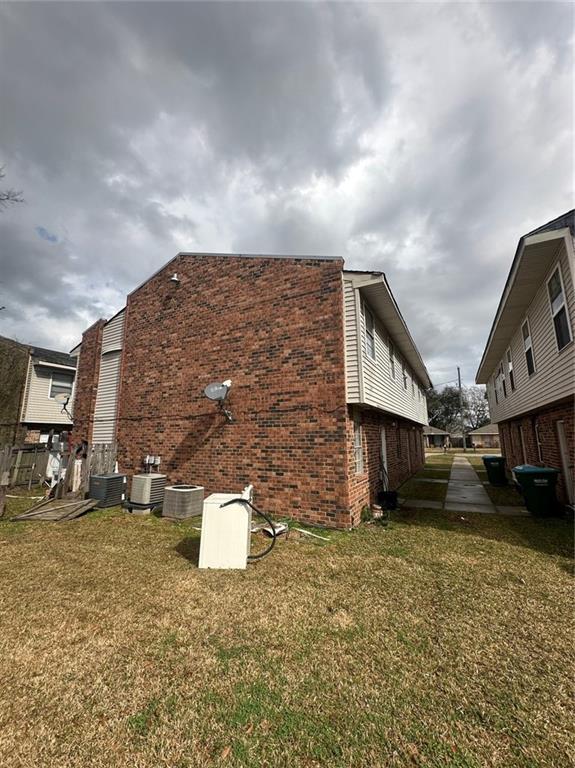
(435, 642)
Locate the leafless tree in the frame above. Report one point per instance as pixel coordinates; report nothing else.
(8, 196)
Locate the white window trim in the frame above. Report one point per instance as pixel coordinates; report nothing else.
(526, 322)
(65, 373)
(358, 449)
(510, 370)
(564, 304)
(367, 312)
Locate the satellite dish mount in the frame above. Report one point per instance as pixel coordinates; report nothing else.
(63, 400)
(219, 393)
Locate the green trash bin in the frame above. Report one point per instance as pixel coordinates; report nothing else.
(537, 485)
(495, 466)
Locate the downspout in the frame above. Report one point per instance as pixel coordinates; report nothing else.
(357, 297)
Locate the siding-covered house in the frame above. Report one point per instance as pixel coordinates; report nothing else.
(435, 437)
(484, 437)
(529, 362)
(327, 391)
(30, 380)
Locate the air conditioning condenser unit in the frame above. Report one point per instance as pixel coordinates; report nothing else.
(182, 501)
(148, 489)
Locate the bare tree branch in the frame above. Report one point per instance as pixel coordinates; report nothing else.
(9, 196)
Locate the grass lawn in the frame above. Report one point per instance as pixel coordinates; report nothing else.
(437, 641)
(434, 473)
(505, 495)
(413, 489)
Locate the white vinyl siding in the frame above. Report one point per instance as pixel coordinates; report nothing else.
(554, 376)
(107, 398)
(106, 408)
(370, 381)
(559, 309)
(39, 405)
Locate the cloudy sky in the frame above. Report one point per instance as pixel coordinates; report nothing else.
(417, 139)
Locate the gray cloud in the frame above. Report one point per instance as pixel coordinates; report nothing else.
(418, 139)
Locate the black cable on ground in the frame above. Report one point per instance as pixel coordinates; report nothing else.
(265, 517)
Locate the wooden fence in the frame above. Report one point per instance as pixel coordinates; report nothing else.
(66, 472)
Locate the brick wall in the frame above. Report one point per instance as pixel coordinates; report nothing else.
(275, 327)
(13, 371)
(405, 455)
(87, 381)
(542, 423)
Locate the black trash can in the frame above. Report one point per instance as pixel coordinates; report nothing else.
(495, 466)
(537, 485)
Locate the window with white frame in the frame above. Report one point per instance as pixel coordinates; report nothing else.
(559, 309)
(528, 347)
(61, 384)
(358, 445)
(495, 392)
(412, 387)
(502, 383)
(369, 333)
(392, 359)
(510, 370)
(404, 375)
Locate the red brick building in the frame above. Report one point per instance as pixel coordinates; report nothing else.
(327, 383)
(529, 361)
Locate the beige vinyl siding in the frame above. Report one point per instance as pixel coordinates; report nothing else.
(107, 398)
(554, 376)
(379, 389)
(106, 407)
(351, 343)
(39, 407)
(113, 335)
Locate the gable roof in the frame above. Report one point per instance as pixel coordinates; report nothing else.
(45, 355)
(434, 431)
(533, 256)
(487, 429)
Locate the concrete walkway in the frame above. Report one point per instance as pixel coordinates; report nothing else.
(465, 491)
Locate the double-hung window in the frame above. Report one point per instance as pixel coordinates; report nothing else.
(559, 309)
(510, 370)
(528, 347)
(502, 380)
(392, 359)
(404, 374)
(358, 446)
(369, 333)
(61, 384)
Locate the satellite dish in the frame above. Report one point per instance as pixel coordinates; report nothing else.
(62, 399)
(217, 391)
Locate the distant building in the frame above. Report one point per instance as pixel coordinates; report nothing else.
(529, 362)
(434, 437)
(484, 437)
(30, 380)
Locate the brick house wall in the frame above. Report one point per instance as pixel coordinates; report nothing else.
(405, 455)
(86, 383)
(275, 327)
(14, 359)
(545, 451)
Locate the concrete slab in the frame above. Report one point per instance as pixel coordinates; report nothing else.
(481, 509)
(429, 480)
(420, 504)
(511, 511)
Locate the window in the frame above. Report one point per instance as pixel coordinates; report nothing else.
(559, 309)
(528, 347)
(369, 333)
(495, 391)
(392, 359)
(358, 445)
(412, 387)
(502, 384)
(510, 370)
(61, 384)
(404, 374)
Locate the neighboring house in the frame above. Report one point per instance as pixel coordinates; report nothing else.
(30, 379)
(484, 437)
(327, 384)
(434, 437)
(529, 362)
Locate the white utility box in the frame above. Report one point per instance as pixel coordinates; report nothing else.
(226, 531)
